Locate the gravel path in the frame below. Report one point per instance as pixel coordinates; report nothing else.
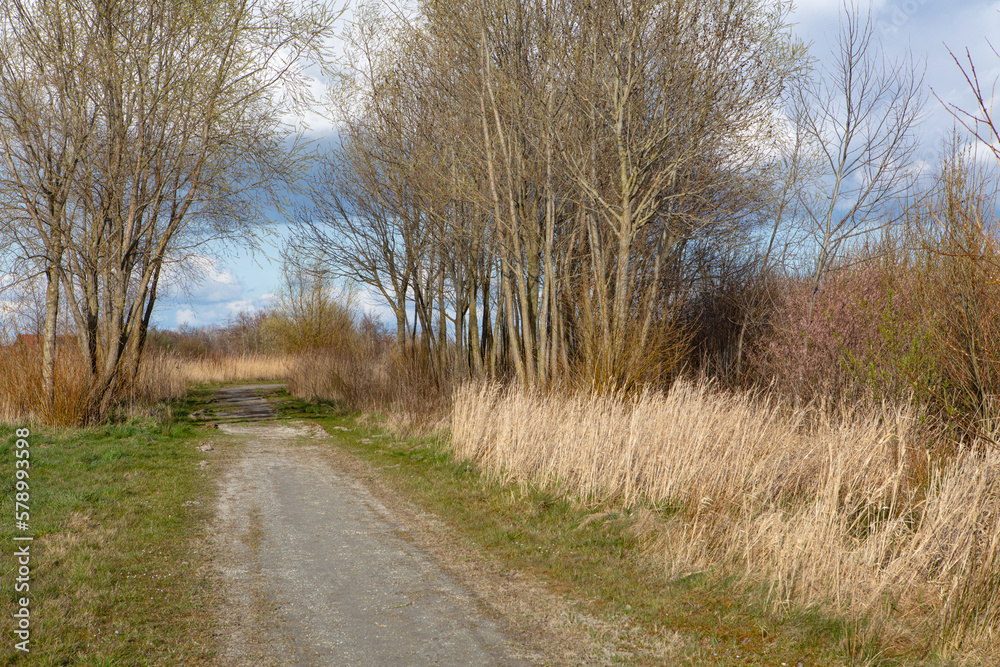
(316, 570)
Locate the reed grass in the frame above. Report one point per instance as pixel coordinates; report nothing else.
(161, 378)
(854, 511)
(247, 367)
(400, 383)
(22, 398)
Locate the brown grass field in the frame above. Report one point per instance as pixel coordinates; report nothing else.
(856, 513)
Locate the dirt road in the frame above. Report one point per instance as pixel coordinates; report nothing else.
(317, 571)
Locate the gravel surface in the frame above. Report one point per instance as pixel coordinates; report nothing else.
(317, 571)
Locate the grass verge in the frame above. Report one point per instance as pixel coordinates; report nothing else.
(117, 575)
(598, 555)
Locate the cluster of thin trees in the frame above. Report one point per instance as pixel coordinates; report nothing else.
(547, 184)
(131, 133)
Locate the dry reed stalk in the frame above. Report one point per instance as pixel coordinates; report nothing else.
(399, 384)
(160, 378)
(234, 368)
(21, 395)
(849, 512)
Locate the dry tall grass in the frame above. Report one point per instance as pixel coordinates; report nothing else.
(852, 512)
(161, 377)
(21, 395)
(249, 367)
(376, 377)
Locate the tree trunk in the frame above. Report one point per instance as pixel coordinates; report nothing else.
(52, 276)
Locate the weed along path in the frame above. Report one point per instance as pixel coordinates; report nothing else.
(314, 569)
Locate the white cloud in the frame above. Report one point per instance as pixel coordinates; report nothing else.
(200, 279)
(196, 312)
(233, 308)
(186, 316)
(203, 291)
(373, 303)
(220, 287)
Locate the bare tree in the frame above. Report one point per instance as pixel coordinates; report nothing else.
(387, 208)
(182, 110)
(46, 121)
(680, 101)
(357, 223)
(565, 160)
(978, 121)
(859, 117)
(312, 312)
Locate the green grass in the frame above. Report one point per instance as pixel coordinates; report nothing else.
(590, 554)
(114, 577)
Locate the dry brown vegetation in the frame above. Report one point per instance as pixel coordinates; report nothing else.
(161, 377)
(22, 398)
(246, 367)
(397, 383)
(852, 510)
(21, 393)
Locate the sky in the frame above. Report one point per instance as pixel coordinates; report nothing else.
(236, 280)
(248, 282)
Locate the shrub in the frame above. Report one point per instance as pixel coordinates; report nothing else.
(864, 334)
